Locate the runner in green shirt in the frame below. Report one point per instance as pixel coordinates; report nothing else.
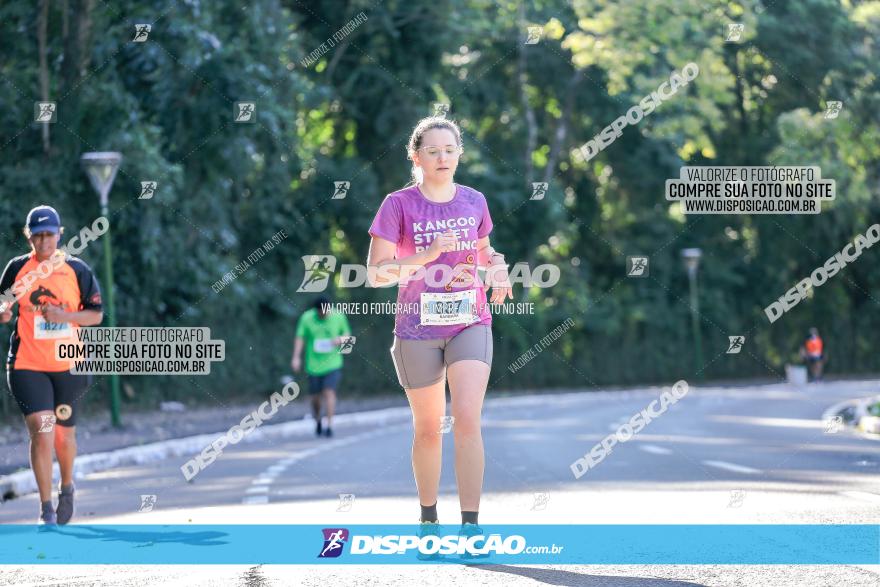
(321, 332)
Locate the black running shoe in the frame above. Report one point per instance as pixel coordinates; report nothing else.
(328, 432)
(318, 428)
(65, 508)
(48, 520)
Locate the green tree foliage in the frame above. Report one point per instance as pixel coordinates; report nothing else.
(224, 188)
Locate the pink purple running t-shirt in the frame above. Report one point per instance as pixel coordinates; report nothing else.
(443, 302)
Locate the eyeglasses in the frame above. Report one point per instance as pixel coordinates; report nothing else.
(435, 151)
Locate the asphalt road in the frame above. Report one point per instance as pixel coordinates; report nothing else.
(726, 456)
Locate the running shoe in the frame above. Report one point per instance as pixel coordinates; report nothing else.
(328, 432)
(65, 508)
(318, 428)
(468, 530)
(429, 529)
(48, 520)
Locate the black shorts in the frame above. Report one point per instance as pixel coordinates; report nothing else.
(318, 383)
(58, 392)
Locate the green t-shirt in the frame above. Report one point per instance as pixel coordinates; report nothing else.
(321, 355)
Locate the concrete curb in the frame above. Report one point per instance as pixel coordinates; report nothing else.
(23, 482)
(869, 424)
(863, 422)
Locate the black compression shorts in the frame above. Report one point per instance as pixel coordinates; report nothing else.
(58, 392)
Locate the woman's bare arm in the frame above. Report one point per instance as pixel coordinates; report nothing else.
(382, 253)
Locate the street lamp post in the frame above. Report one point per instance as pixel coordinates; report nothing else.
(101, 169)
(692, 262)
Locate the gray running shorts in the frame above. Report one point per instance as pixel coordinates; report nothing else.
(420, 363)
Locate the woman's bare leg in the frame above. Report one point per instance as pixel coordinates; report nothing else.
(467, 386)
(428, 407)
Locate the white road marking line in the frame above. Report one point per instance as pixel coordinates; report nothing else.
(654, 449)
(259, 489)
(256, 499)
(732, 467)
(862, 495)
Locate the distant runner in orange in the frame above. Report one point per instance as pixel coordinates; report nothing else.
(813, 353)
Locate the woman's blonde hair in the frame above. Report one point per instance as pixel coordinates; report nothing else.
(415, 141)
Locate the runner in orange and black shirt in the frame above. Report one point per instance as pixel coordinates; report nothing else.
(812, 351)
(55, 295)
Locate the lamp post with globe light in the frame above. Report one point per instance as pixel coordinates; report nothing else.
(101, 168)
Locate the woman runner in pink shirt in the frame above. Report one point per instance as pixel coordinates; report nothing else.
(430, 238)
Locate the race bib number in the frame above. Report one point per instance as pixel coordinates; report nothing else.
(323, 345)
(440, 309)
(45, 330)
